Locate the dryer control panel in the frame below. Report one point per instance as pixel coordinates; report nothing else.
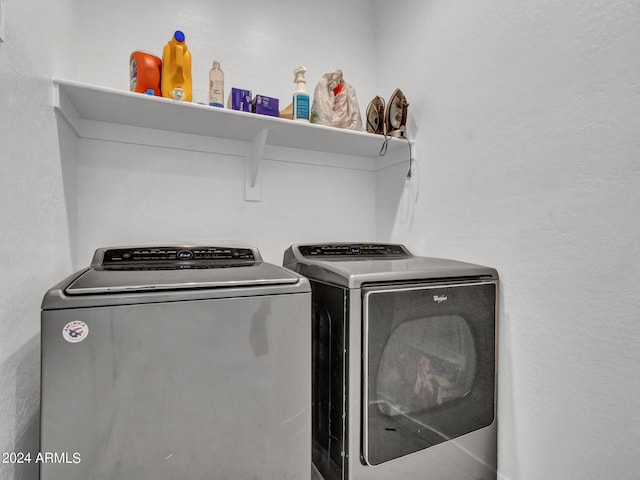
(354, 250)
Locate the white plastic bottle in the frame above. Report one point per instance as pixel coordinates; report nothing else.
(301, 104)
(216, 85)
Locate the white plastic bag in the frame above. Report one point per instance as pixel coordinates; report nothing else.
(335, 103)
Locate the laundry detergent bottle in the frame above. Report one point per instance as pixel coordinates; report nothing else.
(176, 69)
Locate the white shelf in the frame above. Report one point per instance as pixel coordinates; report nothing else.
(127, 108)
(109, 114)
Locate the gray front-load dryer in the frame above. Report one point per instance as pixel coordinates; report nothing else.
(177, 362)
(404, 363)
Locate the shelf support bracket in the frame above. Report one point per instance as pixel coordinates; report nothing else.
(252, 165)
(65, 108)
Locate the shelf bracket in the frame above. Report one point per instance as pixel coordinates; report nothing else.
(252, 165)
(65, 108)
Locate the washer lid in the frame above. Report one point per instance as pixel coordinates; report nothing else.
(145, 269)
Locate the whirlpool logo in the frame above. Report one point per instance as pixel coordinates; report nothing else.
(439, 298)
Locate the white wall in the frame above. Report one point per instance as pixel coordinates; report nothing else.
(526, 120)
(258, 44)
(134, 195)
(61, 198)
(34, 245)
(528, 146)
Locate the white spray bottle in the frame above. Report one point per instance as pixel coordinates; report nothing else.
(301, 104)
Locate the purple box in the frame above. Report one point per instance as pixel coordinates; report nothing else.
(266, 106)
(239, 100)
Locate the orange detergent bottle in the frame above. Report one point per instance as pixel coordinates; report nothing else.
(144, 73)
(176, 69)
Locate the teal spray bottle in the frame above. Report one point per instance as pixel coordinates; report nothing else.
(301, 104)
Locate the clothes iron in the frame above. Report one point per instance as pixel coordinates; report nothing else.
(395, 115)
(375, 116)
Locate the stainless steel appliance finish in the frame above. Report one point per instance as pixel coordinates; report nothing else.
(184, 362)
(404, 363)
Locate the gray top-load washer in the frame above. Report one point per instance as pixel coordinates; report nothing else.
(177, 361)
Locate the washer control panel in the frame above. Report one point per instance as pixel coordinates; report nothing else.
(177, 254)
(354, 250)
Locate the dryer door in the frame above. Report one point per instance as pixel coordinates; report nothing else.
(428, 368)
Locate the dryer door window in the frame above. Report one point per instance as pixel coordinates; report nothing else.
(426, 362)
(429, 366)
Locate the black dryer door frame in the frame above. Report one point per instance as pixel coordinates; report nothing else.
(470, 309)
